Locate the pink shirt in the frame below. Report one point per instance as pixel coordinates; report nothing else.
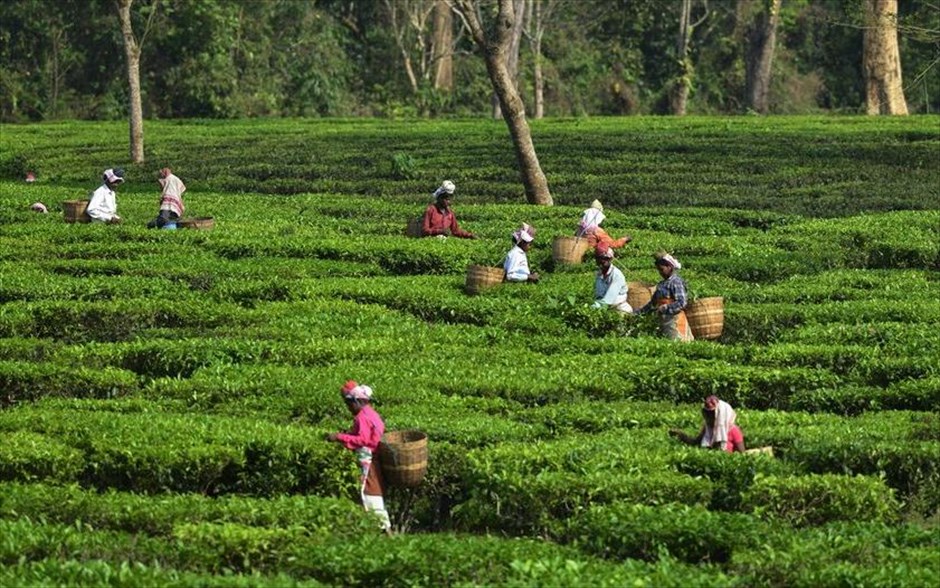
(734, 436)
(367, 430)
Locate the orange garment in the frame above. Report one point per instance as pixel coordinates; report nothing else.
(681, 325)
(599, 237)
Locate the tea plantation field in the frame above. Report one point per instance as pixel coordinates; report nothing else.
(164, 394)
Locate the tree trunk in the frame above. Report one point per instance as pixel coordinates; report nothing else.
(441, 47)
(680, 90)
(535, 12)
(759, 56)
(495, 47)
(881, 60)
(132, 50)
(512, 54)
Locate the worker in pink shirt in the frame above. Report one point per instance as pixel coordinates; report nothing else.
(719, 430)
(363, 438)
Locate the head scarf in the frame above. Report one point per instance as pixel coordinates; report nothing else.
(172, 197)
(724, 420)
(597, 204)
(522, 236)
(446, 189)
(113, 176)
(667, 259)
(39, 207)
(591, 219)
(603, 252)
(354, 391)
(527, 228)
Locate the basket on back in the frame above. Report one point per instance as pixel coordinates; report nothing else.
(706, 317)
(639, 294)
(569, 249)
(482, 277)
(404, 458)
(205, 223)
(414, 228)
(74, 211)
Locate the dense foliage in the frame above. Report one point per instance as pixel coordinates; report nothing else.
(165, 393)
(225, 59)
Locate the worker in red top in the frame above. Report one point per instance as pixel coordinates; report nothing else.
(439, 219)
(363, 439)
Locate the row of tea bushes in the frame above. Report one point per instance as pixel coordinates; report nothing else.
(814, 166)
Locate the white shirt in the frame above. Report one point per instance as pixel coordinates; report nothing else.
(103, 204)
(516, 265)
(611, 290)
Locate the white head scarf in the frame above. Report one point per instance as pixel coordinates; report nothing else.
(724, 420)
(672, 261)
(522, 236)
(591, 219)
(355, 391)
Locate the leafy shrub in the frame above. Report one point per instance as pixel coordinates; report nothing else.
(30, 456)
(691, 534)
(821, 498)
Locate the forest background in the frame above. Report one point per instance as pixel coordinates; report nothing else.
(64, 59)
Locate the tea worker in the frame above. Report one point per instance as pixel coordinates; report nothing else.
(171, 200)
(363, 439)
(103, 204)
(439, 220)
(610, 287)
(719, 430)
(590, 228)
(516, 263)
(669, 300)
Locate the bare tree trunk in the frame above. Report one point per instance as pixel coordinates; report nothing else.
(680, 91)
(881, 60)
(759, 54)
(495, 47)
(537, 17)
(441, 49)
(512, 55)
(132, 50)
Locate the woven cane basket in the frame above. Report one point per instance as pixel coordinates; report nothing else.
(74, 211)
(414, 228)
(639, 294)
(404, 458)
(206, 223)
(569, 249)
(706, 317)
(482, 277)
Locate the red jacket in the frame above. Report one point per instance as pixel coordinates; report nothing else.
(441, 223)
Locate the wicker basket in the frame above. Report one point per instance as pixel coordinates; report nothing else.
(706, 317)
(74, 211)
(206, 223)
(404, 458)
(482, 277)
(415, 227)
(569, 249)
(639, 294)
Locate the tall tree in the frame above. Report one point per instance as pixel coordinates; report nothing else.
(679, 96)
(494, 39)
(538, 15)
(512, 55)
(132, 49)
(442, 49)
(761, 18)
(881, 60)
